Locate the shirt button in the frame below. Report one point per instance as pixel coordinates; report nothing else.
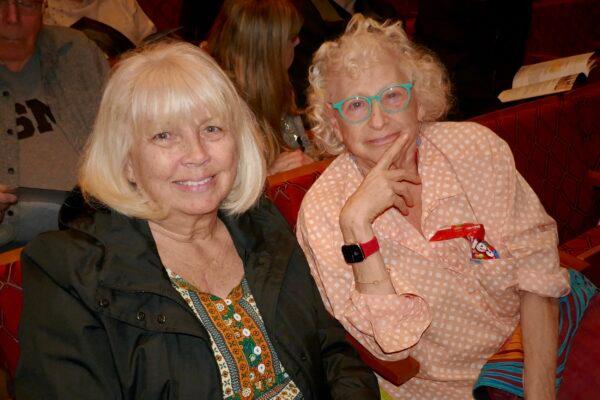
(9, 131)
(11, 171)
(103, 303)
(10, 213)
(6, 93)
(161, 318)
(140, 316)
(303, 356)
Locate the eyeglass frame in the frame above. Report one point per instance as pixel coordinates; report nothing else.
(369, 99)
(35, 7)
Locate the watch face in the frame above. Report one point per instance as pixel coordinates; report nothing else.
(352, 253)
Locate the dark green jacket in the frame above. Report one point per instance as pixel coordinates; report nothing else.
(102, 321)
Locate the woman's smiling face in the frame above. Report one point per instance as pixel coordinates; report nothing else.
(369, 139)
(186, 171)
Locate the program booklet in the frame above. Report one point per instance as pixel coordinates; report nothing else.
(548, 77)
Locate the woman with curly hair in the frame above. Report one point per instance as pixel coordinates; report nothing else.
(253, 41)
(444, 246)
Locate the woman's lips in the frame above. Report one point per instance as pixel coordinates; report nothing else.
(384, 139)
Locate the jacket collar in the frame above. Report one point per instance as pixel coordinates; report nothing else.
(261, 237)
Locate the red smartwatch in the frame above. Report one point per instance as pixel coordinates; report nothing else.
(355, 253)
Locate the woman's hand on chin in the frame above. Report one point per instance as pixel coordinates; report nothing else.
(289, 160)
(385, 185)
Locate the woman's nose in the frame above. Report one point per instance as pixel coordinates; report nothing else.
(378, 116)
(195, 152)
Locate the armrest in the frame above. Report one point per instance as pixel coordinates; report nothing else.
(396, 372)
(569, 261)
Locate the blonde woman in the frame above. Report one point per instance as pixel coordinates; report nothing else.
(253, 41)
(183, 284)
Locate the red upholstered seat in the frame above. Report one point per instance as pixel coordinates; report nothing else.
(287, 189)
(11, 305)
(556, 143)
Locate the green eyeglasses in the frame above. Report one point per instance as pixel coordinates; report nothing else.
(27, 6)
(392, 99)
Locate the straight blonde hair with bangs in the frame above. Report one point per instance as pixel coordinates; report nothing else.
(249, 40)
(161, 87)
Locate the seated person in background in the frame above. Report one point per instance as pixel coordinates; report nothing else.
(51, 81)
(253, 41)
(126, 16)
(182, 284)
(412, 280)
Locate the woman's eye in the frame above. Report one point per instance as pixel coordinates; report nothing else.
(213, 129)
(161, 137)
(356, 105)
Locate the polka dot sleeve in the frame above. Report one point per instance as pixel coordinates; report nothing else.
(386, 324)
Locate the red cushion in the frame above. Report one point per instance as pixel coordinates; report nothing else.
(11, 305)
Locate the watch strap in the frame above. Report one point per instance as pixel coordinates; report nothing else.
(369, 247)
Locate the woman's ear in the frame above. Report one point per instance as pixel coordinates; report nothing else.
(129, 170)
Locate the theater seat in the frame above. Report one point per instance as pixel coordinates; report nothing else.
(555, 141)
(11, 305)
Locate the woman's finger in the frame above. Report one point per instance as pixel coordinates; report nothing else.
(391, 153)
(399, 175)
(400, 204)
(400, 189)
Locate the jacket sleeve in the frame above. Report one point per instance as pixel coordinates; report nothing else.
(65, 353)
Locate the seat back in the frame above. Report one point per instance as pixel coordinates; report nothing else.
(287, 189)
(556, 143)
(11, 305)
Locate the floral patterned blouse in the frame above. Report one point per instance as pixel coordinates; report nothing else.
(247, 361)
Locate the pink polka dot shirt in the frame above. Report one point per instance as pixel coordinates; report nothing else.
(449, 312)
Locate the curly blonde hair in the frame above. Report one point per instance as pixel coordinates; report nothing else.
(362, 44)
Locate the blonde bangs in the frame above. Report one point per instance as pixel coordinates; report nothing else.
(169, 97)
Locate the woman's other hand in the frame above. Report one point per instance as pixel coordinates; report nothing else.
(386, 185)
(289, 160)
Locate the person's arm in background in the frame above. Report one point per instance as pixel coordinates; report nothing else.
(6, 200)
(287, 160)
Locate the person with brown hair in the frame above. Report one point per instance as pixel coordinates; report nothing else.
(254, 42)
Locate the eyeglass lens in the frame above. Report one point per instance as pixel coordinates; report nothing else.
(391, 100)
